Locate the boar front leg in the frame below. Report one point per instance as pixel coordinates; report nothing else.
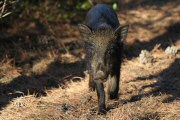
(101, 97)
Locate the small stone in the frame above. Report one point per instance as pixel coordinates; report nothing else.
(19, 104)
(146, 57)
(171, 51)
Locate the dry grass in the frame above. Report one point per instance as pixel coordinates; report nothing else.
(140, 98)
(8, 70)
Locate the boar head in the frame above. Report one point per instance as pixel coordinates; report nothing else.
(103, 49)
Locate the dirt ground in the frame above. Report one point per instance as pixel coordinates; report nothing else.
(42, 73)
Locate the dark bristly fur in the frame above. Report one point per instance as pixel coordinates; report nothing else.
(103, 38)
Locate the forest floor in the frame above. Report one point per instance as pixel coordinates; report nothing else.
(42, 73)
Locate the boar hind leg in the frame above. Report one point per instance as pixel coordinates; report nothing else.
(112, 87)
(101, 97)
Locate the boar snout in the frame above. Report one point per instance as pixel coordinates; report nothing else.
(99, 76)
(100, 73)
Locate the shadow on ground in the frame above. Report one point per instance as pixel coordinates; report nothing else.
(170, 37)
(57, 74)
(168, 83)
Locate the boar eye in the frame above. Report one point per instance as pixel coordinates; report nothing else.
(90, 44)
(113, 47)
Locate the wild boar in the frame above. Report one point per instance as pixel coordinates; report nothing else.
(103, 36)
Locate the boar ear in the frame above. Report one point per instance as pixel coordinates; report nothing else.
(122, 32)
(84, 30)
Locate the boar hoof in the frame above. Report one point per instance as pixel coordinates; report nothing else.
(102, 111)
